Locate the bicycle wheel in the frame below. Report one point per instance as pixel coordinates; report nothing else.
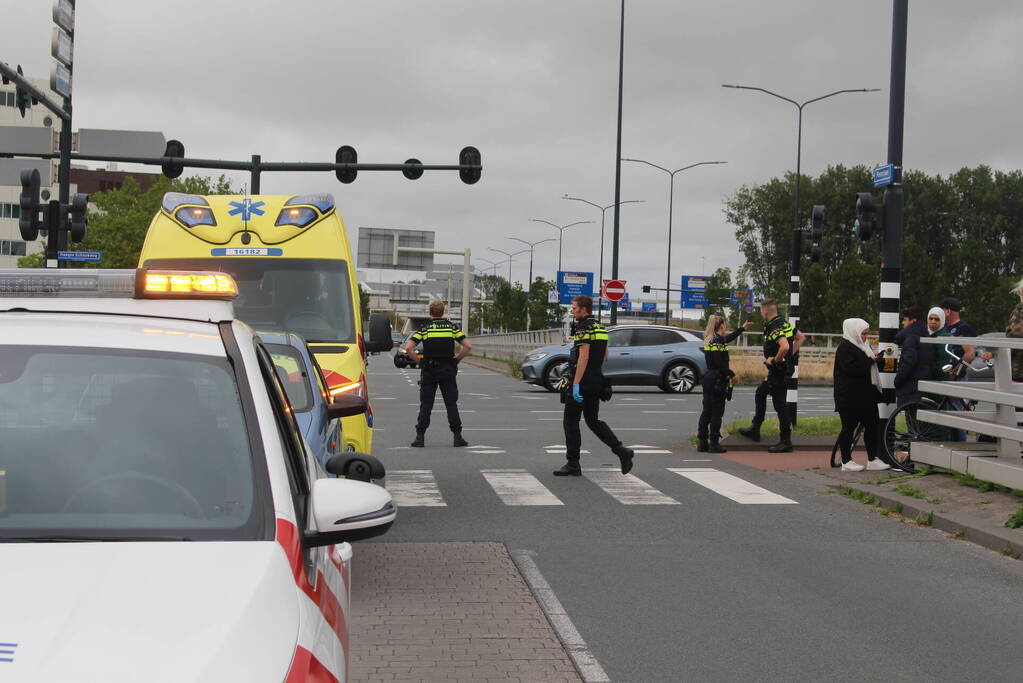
(835, 450)
(902, 429)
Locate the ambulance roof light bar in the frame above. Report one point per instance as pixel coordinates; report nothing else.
(123, 284)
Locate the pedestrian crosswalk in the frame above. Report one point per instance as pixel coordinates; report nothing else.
(519, 487)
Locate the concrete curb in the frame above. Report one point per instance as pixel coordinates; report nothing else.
(980, 532)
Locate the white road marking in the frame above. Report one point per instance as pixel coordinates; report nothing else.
(562, 450)
(549, 419)
(414, 488)
(640, 429)
(383, 398)
(627, 489)
(640, 448)
(486, 450)
(495, 429)
(657, 405)
(519, 487)
(587, 665)
(533, 398)
(697, 460)
(546, 411)
(730, 486)
(671, 412)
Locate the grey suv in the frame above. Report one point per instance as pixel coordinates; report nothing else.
(638, 355)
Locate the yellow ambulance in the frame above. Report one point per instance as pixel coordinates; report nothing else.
(291, 259)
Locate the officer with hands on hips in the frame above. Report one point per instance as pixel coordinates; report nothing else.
(439, 365)
(589, 351)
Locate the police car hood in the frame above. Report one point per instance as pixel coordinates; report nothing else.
(126, 611)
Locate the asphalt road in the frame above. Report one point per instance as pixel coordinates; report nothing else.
(679, 572)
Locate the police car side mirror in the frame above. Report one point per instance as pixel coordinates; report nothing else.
(379, 333)
(346, 405)
(345, 510)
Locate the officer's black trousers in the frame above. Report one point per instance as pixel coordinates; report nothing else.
(773, 386)
(589, 409)
(440, 375)
(713, 406)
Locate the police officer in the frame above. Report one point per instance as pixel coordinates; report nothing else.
(439, 365)
(781, 341)
(715, 382)
(589, 351)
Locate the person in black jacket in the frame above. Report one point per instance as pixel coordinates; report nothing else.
(715, 382)
(856, 394)
(916, 360)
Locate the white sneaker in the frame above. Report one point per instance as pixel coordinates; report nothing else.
(877, 465)
(852, 466)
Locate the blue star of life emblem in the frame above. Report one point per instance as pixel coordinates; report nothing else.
(246, 208)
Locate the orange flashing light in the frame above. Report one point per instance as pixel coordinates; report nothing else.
(158, 284)
(345, 388)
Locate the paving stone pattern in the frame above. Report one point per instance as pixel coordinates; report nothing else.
(448, 612)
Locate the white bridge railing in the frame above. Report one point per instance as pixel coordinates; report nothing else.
(999, 462)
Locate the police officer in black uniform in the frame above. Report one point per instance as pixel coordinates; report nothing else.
(781, 341)
(715, 382)
(582, 398)
(439, 365)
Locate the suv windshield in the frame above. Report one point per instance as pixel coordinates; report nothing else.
(111, 443)
(310, 297)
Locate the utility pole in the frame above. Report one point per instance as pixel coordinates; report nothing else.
(891, 245)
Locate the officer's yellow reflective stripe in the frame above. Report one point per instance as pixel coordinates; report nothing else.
(715, 347)
(787, 331)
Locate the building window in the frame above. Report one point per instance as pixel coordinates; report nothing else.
(10, 210)
(9, 248)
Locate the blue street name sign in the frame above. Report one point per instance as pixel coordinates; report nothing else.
(92, 256)
(884, 175)
(571, 285)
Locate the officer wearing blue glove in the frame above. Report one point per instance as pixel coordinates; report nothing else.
(589, 351)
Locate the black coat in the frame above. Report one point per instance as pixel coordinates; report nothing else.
(853, 389)
(916, 361)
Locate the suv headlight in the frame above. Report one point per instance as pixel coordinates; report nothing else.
(537, 356)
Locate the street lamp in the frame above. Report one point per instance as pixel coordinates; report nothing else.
(671, 198)
(561, 232)
(603, 214)
(510, 257)
(531, 245)
(493, 264)
(797, 232)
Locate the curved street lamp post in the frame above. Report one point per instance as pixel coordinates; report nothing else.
(511, 257)
(671, 198)
(561, 232)
(603, 215)
(797, 231)
(531, 245)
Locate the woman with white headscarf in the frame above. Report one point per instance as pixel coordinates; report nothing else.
(857, 394)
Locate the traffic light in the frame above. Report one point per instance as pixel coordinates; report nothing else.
(646, 289)
(346, 154)
(79, 204)
(175, 149)
(866, 216)
(469, 156)
(22, 99)
(816, 232)
(28, 223)
(416, 170)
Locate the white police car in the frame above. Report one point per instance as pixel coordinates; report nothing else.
(161, 518)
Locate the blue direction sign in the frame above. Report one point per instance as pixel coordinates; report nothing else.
(696, 283)
(571, 285)
(91, 256)
(694, 300)
(884, 175)
(649, 307)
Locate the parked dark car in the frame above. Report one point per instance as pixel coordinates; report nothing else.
(638, 355)
(402, 359)
(316, 411)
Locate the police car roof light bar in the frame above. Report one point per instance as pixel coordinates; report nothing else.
(116, 283)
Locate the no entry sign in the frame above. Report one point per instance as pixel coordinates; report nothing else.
(614, 290)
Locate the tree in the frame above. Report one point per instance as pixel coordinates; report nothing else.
(364, 302)
(118, 226)
(543, 314)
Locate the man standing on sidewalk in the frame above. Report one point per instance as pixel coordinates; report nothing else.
(781, 341)
(589, 351)
(439, 365)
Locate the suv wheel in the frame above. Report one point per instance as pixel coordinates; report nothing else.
(679, 378)
(553, 373)
(399, 360)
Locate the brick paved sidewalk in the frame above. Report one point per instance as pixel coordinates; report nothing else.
(448, 612)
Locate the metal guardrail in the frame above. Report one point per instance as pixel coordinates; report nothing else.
(1003, 465)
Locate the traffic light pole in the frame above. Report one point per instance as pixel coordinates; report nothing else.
(891, 246)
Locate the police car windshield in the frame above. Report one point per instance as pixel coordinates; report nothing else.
(117, 444)
(310, 297)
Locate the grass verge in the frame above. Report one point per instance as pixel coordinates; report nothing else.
(826, 425)
(1015, 520)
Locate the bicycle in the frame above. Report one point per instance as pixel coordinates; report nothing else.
(903, 428)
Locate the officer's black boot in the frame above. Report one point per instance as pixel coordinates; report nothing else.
(751, 432)
(715, 447)
(418, 443)
(459, 441)
(624, 457)
(701, 444)
(783, 446)
(569, 470)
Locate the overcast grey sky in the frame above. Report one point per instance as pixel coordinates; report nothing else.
(533, 85)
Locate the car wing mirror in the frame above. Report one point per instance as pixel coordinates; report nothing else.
(379, 333)
(347, 405)
(345, 510)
